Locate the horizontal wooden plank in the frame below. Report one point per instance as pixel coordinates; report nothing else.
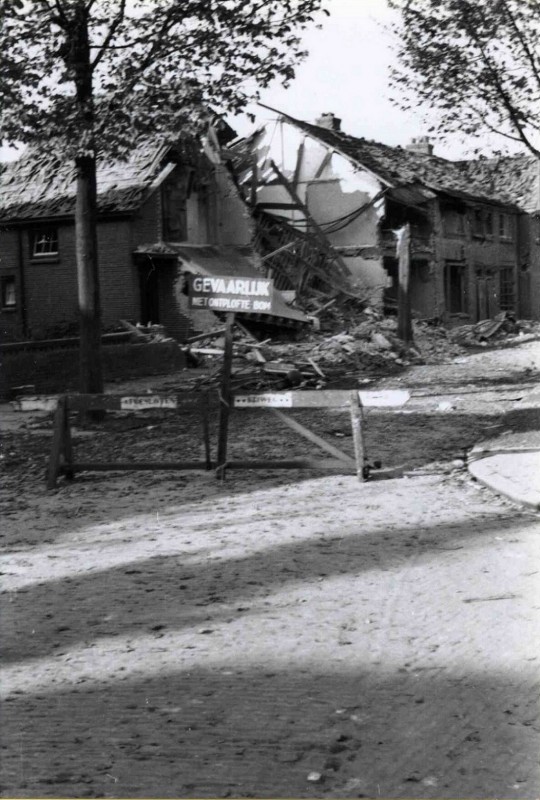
(135, 402)
(37, 403)
(132, 466)
(324, 398)
(289, 206)
(295, 463)
(112, 402)
(385, 398)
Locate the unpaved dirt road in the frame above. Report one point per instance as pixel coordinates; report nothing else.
(294, 635)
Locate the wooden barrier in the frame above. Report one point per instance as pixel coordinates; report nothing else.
(61, 460)
(274, 402)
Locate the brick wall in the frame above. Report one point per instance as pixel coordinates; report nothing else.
(51, 287)
(56, 371)
(118, 274)
(11, 319)
(50, 283)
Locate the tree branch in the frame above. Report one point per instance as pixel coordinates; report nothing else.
(112, 30)
(508, 105)
(523, 42)
(483, 118)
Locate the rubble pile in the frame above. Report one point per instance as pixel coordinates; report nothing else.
(346, 347)
(319, 359)
(501, 326)
(145, 334)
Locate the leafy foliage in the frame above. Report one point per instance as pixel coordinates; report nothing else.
(99, 75)
(476, 62)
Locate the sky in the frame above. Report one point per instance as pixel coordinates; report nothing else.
(347, 73)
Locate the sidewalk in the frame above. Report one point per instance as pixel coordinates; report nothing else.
(510, 464)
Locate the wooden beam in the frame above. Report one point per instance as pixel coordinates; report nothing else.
(404, 329)
(299, 159)
(57, 448)
(317, 231)
(287, 206)
(312, 437)
(358, 435)
(322, 166)
(296, 463)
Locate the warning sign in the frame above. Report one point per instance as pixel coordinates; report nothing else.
(226, 293)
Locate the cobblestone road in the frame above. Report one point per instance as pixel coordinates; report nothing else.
(322, 638)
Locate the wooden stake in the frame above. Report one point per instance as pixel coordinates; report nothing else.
(206, 431)
(225, 397)
(57, 444)
(404, 330)
(358, 434)
(67, 450)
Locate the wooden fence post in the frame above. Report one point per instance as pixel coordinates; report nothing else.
(57, 444)
(404, 329)
(358, 434)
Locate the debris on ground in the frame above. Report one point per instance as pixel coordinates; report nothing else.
(146, 333)
(478, 335)
(346, 348)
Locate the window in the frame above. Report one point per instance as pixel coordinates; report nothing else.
(505, 226)
(44, 242)
(455, 288)
(488, 223)
(9, 294)
(454, 223)
(506, 289)
(478, 222)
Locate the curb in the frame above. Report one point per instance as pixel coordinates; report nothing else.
(494, 470)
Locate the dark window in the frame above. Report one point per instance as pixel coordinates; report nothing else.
(506, 289)
(420, 270)
(478, 222)
(9, 292)
(454, 223)
(488, 223)
(44, 242)
(455, 288)
(505, 226)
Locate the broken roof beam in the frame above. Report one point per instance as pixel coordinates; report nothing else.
(317, 231)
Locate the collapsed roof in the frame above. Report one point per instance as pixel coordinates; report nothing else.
(511, 180)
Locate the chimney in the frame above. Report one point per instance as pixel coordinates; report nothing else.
(420, 144)
(329, 121)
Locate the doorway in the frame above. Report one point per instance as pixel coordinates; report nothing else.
(149, 292)
(487, 305)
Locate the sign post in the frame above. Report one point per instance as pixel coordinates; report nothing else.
(229, 294)
(225, 397)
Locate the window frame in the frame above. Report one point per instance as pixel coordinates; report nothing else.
(449, 292)
(506, 227)
(5, 282)
(507, 288)
(48, 237)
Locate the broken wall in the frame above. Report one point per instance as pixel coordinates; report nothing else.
(334, 192)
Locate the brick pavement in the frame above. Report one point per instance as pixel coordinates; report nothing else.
(182, 639)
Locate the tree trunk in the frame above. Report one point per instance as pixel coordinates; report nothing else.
(90, 371)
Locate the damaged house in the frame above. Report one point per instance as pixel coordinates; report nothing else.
(165, 212)
(328, 206)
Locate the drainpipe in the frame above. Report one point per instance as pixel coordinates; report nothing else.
(22, 283)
